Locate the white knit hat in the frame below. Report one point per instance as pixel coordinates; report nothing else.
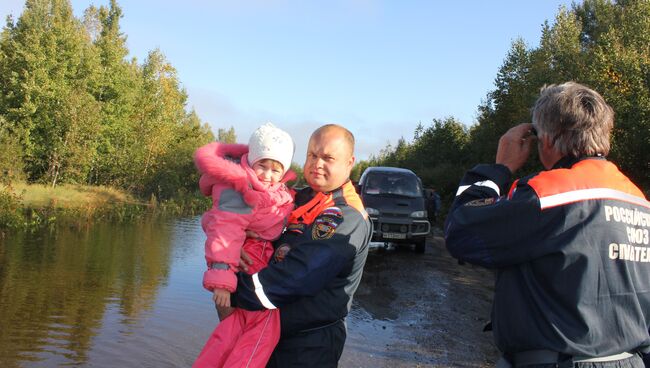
(271, 142)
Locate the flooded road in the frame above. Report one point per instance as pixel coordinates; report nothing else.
(131, 296)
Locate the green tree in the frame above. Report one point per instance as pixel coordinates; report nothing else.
(176, 173)
(47, 60)
(74, 109)
(160, 109)
(11, 153)
(116, 88)
(227, 135)
(438, 155)
(509, 103)
(603, 44)
(600, 43)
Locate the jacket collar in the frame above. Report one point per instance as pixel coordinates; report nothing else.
(568, 161)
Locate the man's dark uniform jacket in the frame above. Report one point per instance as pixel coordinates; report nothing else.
(571, 251)
(328, 234)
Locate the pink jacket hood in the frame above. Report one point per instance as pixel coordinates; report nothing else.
(216, 160)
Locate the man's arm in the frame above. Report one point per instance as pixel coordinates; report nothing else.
(489, 230)
(486, 228)
(305, 271)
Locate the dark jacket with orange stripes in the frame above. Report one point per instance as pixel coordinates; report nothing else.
(571, 253)
(328, 234)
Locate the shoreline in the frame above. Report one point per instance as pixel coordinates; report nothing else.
(35, 206)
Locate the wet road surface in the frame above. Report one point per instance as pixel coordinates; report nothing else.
(420, 310)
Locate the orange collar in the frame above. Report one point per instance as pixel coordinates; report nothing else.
(307, 213)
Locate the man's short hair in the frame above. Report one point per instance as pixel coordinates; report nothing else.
(576, 119)
(347, 135)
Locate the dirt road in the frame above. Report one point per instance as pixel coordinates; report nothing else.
(420, 310)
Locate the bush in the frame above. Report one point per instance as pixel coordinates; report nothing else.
(11, 211)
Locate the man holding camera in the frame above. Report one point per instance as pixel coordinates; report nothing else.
(569, 244)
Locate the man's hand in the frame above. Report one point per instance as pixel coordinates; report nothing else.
(244, 261)
(514, 147)
(224, 312)
(221, 297)
(281, 252)
(252, 234)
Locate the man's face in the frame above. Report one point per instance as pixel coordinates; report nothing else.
(329, 161)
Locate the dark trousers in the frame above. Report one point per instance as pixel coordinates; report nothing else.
(633, 362)
(319, 348)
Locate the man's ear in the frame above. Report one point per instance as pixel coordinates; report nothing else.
(547, 142)
(548, 154)
(351, 163)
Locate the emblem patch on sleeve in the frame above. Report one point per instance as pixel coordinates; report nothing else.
(298, 228)
(326, 223)
(480, 202)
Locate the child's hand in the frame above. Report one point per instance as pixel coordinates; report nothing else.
(221, 297)
(252, 234)
(281, 252)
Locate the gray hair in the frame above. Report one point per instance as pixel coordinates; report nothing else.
(576, 118)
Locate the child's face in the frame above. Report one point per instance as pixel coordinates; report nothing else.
(268, 171)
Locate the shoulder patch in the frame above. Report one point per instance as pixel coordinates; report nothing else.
(332, 211)
(326, 223)
(480, 202)
(298, 228)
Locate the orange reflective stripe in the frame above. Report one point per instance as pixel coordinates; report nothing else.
(586, 174)
(512, 188)
(352, 198)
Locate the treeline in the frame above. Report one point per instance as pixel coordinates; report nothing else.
(75, 109)
(600, 43)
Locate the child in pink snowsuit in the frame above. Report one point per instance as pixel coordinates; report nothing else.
(248, 194)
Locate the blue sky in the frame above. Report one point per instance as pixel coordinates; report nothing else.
(376, 67)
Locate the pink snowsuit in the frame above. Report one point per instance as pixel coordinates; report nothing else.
(240, 202)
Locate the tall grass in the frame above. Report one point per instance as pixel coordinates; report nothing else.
(33, 206)
(71, 196)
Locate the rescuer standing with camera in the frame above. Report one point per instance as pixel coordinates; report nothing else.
(569, 244)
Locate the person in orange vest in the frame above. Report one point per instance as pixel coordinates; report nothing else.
(569, 244)
(319, 259)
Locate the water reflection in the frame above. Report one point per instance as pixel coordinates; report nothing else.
(84, 296)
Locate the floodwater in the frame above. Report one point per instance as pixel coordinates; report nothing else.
(107, 296)
(130, 296)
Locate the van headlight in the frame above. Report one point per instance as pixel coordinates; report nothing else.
(417, 214)
(372, 212)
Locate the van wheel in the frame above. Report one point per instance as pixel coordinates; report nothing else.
(420, 246)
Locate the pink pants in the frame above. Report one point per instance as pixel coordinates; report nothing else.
(243, 339)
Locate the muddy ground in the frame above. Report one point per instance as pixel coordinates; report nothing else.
(420, 310)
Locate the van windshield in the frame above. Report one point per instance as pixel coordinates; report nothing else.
(392, 184)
